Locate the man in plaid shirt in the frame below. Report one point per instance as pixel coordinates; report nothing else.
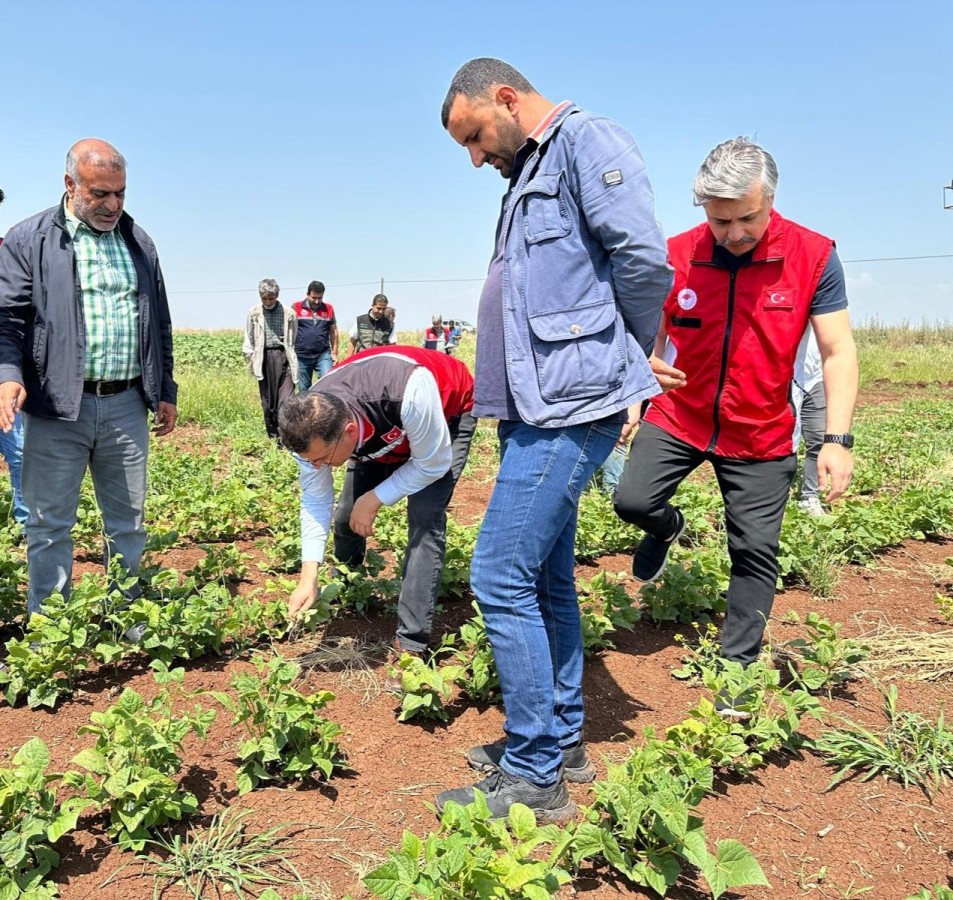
(85, 351)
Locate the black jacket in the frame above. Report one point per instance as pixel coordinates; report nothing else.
(42, 332)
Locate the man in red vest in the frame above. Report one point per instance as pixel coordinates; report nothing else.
(399, 417)
(747, 283)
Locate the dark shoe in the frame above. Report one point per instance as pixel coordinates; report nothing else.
(649, 560)
(502, 790)
(576, 766)
(395, 683)
(734, 708)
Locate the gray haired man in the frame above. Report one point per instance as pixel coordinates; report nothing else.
(747, 283)
(85, 351)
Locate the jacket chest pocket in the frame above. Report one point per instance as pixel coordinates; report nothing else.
(545, 210)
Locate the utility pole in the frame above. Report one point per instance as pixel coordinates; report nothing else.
(948, 196)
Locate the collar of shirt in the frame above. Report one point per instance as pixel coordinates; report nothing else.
(73, 224)
(533, 139)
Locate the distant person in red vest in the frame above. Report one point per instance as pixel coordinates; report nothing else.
(437, 336)
(399, 417)
(747, 283)
(316, 342)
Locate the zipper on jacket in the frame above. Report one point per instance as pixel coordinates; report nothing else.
(723, 371)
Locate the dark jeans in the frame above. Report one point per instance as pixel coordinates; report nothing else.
(755, 493)
(426, 533)
(276, 386)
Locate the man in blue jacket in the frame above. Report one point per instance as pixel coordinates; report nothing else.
(567, 317)
(85, 351)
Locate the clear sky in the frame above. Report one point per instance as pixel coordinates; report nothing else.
(302, 140)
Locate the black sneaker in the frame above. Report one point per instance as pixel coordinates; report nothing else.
(649, 560)
(576, 766)
(502, 790)
(729, 707)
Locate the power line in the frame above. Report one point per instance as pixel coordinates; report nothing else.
(462, 280)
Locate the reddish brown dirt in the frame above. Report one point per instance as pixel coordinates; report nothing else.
(881, 836)
(872, 835)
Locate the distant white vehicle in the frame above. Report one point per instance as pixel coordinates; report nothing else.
(464, 326)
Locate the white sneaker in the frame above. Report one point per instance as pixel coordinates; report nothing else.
(812, 507)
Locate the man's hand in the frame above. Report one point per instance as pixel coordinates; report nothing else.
(363, 514)
(835, 465)
(12, 398)
(165, 418)
(668, 377)
(304, 595)
(635, 415)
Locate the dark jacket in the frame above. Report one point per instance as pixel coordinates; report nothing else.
(42, 331)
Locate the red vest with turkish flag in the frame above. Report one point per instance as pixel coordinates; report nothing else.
(372, 384)
(735, 335)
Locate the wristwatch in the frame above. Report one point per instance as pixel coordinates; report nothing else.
(845, 440)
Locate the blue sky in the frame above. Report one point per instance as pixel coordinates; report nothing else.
(302, 140)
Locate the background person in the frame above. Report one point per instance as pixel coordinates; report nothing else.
(437, 336)
(316, 340)
(747, 282)
(270, 331)
(85, 351)
(578, 221)
(11, 448)
(810, 404)
(400, 419)
(374, 328)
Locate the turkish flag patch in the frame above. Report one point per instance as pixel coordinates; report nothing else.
(778, 298)
(394, 434)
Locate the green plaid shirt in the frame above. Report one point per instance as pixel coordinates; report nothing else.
(110, 293)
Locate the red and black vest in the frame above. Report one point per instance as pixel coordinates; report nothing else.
(314, 328)
(372, 384)
(735, 335)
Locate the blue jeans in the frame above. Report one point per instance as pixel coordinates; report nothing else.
(11, 446)
(523, 575)
(111, 438)
(313, 365)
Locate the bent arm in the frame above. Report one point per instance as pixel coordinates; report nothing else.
(619, 205)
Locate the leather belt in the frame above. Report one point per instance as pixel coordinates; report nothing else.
(108, 388)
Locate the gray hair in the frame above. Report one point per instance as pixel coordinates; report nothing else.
(267, 286)
(476, 77)
(111, 159)
(731, 171)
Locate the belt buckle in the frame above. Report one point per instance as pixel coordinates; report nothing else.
(99, 389)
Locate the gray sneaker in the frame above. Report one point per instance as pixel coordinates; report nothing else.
(733, 708)
(502, 790)
(134, 633)
(811, 506)
(576, 766)
(652, 553)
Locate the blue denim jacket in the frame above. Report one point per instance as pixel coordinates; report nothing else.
(584, 274)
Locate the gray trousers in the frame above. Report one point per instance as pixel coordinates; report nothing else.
(111, 439)
(813, 419)
(426, 533)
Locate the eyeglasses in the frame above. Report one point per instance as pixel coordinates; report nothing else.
(325, 459)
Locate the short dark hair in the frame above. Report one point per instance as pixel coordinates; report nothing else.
(476, 77)
(316, 287)
(313, 414)
(377, 299)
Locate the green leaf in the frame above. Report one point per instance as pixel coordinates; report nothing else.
(384, 882)
(735, 865)
(92, 761)
(522, 821)
(34, 756)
